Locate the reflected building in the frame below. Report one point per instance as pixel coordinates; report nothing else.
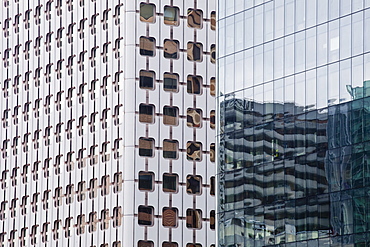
(293, 104)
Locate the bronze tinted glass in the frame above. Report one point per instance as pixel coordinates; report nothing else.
(146, 215)
(170, 149)
(194, 151)
(147, 12)
(171, 15)
(146, 113)
(195, 51)
(146, 181)
(171, 115)
(171, 82)
(213, 20)
(169, 217)
(143, 243)
(170, 182)
(146, 147)
(195, 18)
(194, 218)
(171, 48)
(194, 184)
(147, 79)
(194, 84)
(194, 117)
(147, 46)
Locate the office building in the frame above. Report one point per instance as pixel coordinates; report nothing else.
(107, 123)
(294, 136)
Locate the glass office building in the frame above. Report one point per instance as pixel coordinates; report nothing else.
(107, 123)
(294, 135)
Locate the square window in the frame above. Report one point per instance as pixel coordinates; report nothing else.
(213, 20)
(171, 15)
(170, 182)
(147, 12)
(212, 119)
(171, 82)
(169, 217)
(212, 221)
(194, 184)
(213, 53)
(171, 115)
(213, 86)
(170, 149)
(171, 49)
(194, 84)
(195, 18)
(194, 118)
(146, 113)
(146, 216)
(144, 243)
(194, 218)
(146, 80)
(212, 190)
(168, 244)
(146, 147)
(146, 181)
(195, 51)
(194, 151)
(193, 245)
(147, 46)
(212, 152)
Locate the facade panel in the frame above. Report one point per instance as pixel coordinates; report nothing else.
(97, 116)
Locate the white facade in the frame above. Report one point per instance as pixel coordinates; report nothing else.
(71, 123)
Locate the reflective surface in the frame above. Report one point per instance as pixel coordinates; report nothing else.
(294, 110)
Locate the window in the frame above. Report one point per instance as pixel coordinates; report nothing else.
(194, 218)
(146, 181)
(146, 147)
(146, 79)
(170, 82)
(171, 115)
(212, 86)
(212, 219)
(193, 245)
(213, 188)
(194, 184)
(212, 152)
(147, 12)
(170, 182)
(213, 53)
(170, 149)
(195, 51)
(168, 244)
(169, 217)
(147, 46)
(171, 49)
(194, 118)
(146, 113)
(194, 84)
(195, 18)
(213, 20)
(143, 243)
(194, 151)
(212, 120)
(146, 215)
(171, 15)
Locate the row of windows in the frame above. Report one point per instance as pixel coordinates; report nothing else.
(194, 116)
(171, 81)
(170, 183)
(170, 217)
(172, 16)
(171, 148)
(171, 49)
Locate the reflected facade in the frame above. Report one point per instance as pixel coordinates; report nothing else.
(294, 110)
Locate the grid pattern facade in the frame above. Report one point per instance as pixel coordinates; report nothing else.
(107, 123)
(294, 116)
